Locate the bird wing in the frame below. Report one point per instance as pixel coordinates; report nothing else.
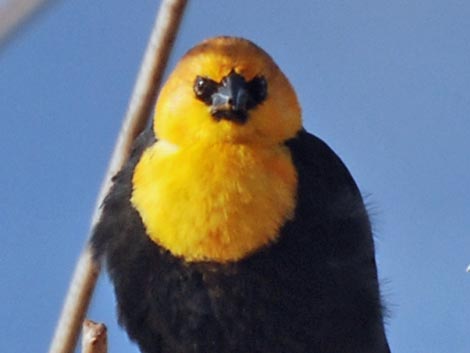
(332, 230)
(119, 239)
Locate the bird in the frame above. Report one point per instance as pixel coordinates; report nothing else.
(231, 229)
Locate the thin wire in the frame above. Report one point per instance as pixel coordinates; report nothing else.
(140, 106)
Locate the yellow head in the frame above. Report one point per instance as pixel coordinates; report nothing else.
(182, 118)
(220, 183)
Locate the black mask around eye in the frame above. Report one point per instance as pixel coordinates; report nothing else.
(233, 97)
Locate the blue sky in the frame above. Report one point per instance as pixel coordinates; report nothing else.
(386, 84)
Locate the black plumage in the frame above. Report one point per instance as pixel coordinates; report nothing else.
(314, 290)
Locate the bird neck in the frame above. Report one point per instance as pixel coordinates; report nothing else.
(214, 202)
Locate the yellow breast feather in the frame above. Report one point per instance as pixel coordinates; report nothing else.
(216, 202)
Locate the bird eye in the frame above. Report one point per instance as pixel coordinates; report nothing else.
(204, 88)
(258, 88)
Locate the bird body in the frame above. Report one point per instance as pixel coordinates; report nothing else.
(232, 229)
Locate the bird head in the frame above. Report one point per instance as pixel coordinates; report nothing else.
(227, 90)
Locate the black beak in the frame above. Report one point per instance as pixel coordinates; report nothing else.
(231, 99)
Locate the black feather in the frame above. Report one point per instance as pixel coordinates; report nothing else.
(314, 290)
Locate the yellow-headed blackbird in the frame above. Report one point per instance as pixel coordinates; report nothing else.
(233, 230)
